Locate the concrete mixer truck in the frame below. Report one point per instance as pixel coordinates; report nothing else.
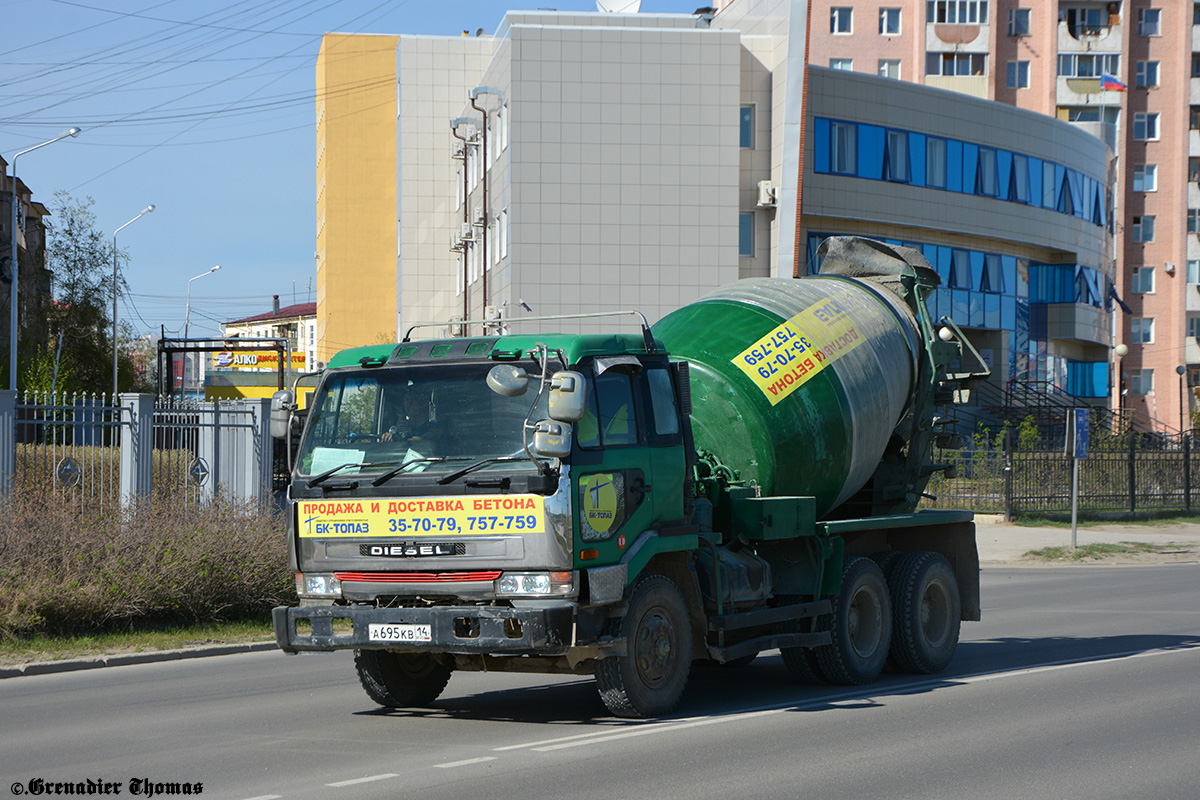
(741, 477)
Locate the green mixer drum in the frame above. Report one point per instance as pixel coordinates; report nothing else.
(797, 384)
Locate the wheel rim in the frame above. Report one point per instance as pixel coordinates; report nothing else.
(935, 614)
(655, 648)
(864, 623)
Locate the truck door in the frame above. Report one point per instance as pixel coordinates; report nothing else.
(622, 469)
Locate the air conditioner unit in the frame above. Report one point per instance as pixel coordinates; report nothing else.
(456, 243)
(478, 215)
(458, 152)
(467, 233)
(766, 194)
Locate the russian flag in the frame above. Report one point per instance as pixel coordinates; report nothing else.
(1109, 83)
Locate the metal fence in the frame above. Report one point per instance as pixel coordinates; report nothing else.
(1129, 472)
(89, 450)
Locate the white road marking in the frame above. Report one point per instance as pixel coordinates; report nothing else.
(465, 763)
(601, 737)
(368, 779)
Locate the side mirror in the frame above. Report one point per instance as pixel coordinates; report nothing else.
(283, 403)
(508, 380)
(568, 396)
(552, 439)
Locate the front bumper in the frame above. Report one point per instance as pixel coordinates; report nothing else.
(542, 629)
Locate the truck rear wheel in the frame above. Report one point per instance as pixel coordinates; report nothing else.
(401, 680)
(926, 614)
(862, 626)
(650, 678)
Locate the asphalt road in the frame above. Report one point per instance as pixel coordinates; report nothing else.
(1080, 682)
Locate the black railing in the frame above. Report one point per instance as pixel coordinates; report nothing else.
(1013, 473)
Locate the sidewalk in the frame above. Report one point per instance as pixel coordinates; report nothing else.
(1004, 543)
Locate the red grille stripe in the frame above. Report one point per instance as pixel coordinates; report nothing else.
(416, 577)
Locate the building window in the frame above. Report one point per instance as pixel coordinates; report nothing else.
(1018, 189)
(1193, 169)
(1145, 126)
(1142, 330)
(1196, 13)
(895, 157)
(889, 68)
(1193, 328)
(1142, 280)
(935, 162)
(993, 274)
(1193, 271)
(1084, 21)
(1018, 74)
(1018, 22)
(1196, 66)
(1141, 381)
(957, 12)
(986, 182)
(956, 64)
(746, 235)
(844, 64)
(1143, 228)
(1145, 178)
(746, 129)
(843, 140)
(1147, 74)
(503, 233)
(1150, 22)
(1194, 118)
(841, 20)
(889, 22)
(1193, 220)
(1088, 65)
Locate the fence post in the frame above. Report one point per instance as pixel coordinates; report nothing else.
(1132, 472)
(209, 449)
(1008, 476)
(1187, 473)
(8, 440)
(137, 448)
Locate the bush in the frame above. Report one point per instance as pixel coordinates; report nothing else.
(68, 571)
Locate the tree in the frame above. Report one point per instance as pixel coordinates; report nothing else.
(80, 257)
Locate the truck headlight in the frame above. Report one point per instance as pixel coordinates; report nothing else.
(535, 584)
(317, 584)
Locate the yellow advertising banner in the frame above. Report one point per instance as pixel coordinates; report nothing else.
(254, 359)
(796, 351)
(422, 516)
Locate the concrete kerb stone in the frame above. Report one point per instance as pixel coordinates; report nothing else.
(126, 659)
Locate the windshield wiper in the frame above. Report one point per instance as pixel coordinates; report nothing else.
(483, 462)
(318, 479)
(387, 476)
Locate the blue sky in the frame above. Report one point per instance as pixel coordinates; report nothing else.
(205, 109)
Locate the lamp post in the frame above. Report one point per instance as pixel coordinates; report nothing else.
(187, 313)
(144, 212)
(12, 324)
(1181, 371)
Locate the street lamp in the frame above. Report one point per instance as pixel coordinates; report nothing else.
(1181, 370)
(12, 325)
(145, 211)
(187, 313)
(1121, 350)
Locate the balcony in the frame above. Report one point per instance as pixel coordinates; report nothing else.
(1082, 323)
(1086, 38)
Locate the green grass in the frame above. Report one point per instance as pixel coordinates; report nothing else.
(20, 650)
(1059, 522)
(1098, 551)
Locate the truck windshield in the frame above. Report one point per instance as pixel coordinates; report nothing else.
(435, 419)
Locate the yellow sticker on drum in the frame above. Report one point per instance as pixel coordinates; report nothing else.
(796, 351)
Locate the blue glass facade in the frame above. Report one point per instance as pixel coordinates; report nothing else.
(874, 152)
(995, 291)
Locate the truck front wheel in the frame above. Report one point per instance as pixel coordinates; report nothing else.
(401, 680)
(650, 678)
(862, 626)
(927, 613)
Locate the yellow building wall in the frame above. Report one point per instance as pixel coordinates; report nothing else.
(356, 191)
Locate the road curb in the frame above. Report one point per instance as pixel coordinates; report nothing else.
(126, 659)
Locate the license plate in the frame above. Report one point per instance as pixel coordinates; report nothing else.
(399, 633)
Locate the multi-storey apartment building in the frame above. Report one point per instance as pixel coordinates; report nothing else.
(1127, 71)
